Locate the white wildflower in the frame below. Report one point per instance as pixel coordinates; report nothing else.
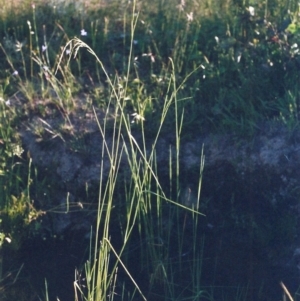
(251, 11)
(295, 45)
(83, 32)
(137, 117)
(190, 16)
(18, 46)
(152, 57)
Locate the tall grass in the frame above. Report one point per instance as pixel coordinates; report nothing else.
(144, 199)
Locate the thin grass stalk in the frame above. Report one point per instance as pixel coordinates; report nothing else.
(1, 263)
(30, 48)
(197, 265)
(134, 165)
(35, 31)
(178, 127)
(23, 59)
(46, 289)
(124, 42)
(124, 267)
(286, 291)
(103, 280)
(170, 172)
(46, 46)
(91, 272)
(201, 169)
(8, 59)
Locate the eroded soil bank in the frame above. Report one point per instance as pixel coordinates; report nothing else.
(250, 196)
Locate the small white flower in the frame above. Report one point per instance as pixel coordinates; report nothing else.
(44, 47)
(29, 24)
(19, 46)
(295, 45)
(136, 62)
(251, 11)
(190, 16)
(152, 57)
(137, 117)
(15, 73)
(83, 32)
(8, 103)
(68, 51)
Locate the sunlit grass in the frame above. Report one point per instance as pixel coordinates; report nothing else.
(234, 52)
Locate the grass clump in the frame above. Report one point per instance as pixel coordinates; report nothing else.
(142, 204)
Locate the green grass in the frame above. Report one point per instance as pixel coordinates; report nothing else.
(252, 59)
(142, 203)
(159, 67)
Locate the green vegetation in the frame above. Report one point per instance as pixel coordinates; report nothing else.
(157, 67)
(248, 51)
(16, 208)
